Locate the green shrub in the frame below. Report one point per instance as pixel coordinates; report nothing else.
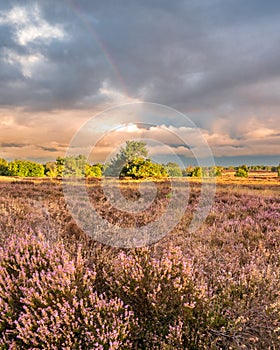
(4, 168)
(94, 170)
(173, 170)
(25, 168)
(141, 168)
(242, 171)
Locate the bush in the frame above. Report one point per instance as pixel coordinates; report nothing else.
(215, 171)
(25, 168)
(141, 168)
(51, 169)
(4, 169)
(163, 296)
(197, 172)
(95, 170)
(173, 170)
(242, 171)
(72, 166)
(48, 301)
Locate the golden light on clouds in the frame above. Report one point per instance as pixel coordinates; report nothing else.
(61, 65)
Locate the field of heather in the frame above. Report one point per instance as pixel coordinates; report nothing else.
(216, 288)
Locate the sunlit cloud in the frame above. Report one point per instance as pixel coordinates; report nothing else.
(62, 65)
(29, 25)
(27, 63)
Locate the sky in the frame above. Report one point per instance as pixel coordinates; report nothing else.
(65, 63)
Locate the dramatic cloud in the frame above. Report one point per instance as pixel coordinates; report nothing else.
(63, 61)
(29, 25)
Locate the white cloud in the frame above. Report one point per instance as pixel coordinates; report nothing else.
(221, 139)
(27, 63)
(130, 128)
(260, 133)
(162, 149)
(29, 25)
(115, 95)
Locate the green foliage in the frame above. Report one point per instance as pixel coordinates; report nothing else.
(60, 162)
(4, 169)
(132, 151)
(51, 169)
(215, 171)
(188, 171)
(25, 168)
(94, 170)
(197, 172)
(261, 167)
(203, 171)
(173, 169)
(141, 168)
(74, 166)
(242, 171)
(194, 171)
(114, 168)
(71, 166)
(218, 171)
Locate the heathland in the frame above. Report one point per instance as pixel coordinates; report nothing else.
(215, 288)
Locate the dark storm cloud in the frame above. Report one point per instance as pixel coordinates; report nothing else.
(12, 145)
(68, 67)
(49, 149)
(193, 54)
(217, 61)
(177, 145)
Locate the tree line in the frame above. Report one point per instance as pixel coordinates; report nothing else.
(131, 162)
(62, 167)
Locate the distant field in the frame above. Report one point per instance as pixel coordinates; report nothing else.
(252, 173)
(216, 288)
(259, 176)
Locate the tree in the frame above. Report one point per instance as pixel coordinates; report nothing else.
(197, 172)
(132, 151)
(35, 169)
(74, 166)
(60, 162)
(51, 169)
(70, 166)
(4, 169)
(215, 171)
(25, 168)
(173, 169)
(242, 171)
(94, 170)
(141, 168)
(188, 171)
